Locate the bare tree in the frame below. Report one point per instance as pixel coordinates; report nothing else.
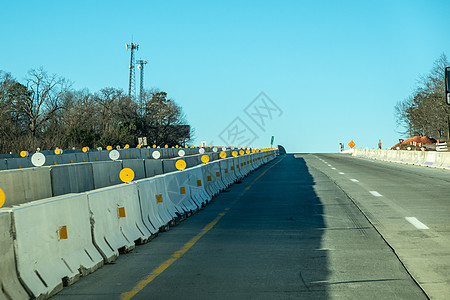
(424, 112)
(45, 98)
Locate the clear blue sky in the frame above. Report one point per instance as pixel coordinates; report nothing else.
(334, 69)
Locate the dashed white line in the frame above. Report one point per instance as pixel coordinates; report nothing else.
(342, 173)
(354, 180)
(416, 223)
(333, 168)
(375, 193)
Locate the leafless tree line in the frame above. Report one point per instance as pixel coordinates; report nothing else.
(424, 112)
(46, 112)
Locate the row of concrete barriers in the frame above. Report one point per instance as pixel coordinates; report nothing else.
(30, 184)
(50, 243)
(69, 157)
(421, 158)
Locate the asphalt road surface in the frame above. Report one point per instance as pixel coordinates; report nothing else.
(309, 226)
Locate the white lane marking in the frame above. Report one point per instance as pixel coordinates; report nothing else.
(375, 193)
(354, 180)
(342, 173)
(416, 223)
(333, 168)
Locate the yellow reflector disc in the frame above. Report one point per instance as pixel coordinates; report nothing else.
(139, 146)
(57, 151)
(241, 152)
(127, 146)
(84, 149)
(223, 154)
(180, 164)
(234, 153)
(205, 159)
(23, 153)
(126, 175)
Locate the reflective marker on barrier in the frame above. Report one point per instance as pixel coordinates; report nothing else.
(232, 168)
(180, 164)
(209, 178)
(159, 198)
(205, 159)
(234, 153)
(62, 232)
(126, 175)
(223, 155)
(121, 211)
(218, 174)
(199, 183)
(226, 170)
(2, 198)
(182, 190)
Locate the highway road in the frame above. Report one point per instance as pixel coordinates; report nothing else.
(305, 226)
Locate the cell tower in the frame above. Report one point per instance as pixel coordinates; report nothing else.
(140, 66)
(131, 86)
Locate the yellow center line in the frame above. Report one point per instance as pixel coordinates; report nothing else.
(177, 254)
(260, 175)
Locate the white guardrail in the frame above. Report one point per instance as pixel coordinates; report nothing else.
(421, 158)
(49, 243)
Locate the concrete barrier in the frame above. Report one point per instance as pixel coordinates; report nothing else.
(3, 164)
(225, 172)
(116, 220)
(69, 158)
(11, 288)
(81, 157)
(106, 173)
(422, 158)
(197, 186)
(53, 243)
(212, 173)
(25, 185)
(178, 191)
(71, 178)
(18, 163)
(94, 156)
(153, 167)
(138, 167)
(152, 197)
(169, 165)
(53, 160)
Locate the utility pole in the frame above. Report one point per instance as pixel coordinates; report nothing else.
(140, 66)
(131, 86)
